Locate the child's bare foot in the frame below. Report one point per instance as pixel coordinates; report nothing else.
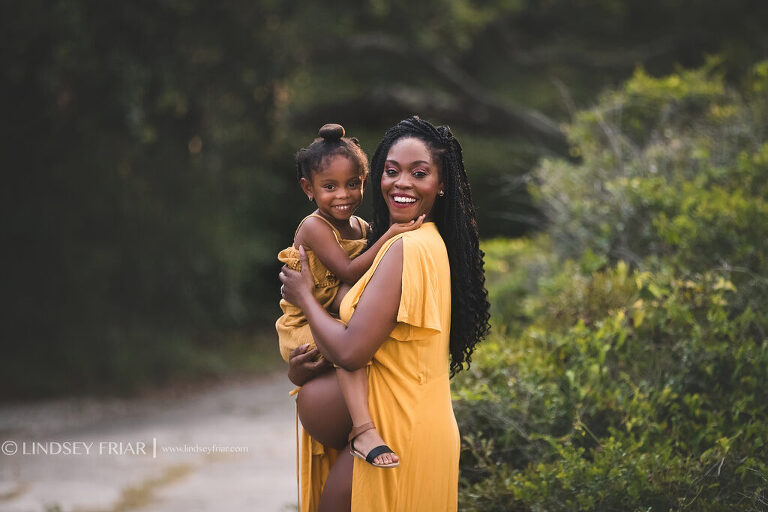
(366, 438)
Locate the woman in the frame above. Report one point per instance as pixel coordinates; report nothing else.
(414, 318)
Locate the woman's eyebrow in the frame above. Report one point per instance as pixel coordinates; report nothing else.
(412, 163)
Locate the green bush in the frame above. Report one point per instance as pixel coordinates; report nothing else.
(655, 404)
(660, 158)
(629, 353)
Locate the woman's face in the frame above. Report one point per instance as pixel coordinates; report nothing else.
(411, 181)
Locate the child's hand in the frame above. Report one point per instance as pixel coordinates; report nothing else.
(396, 229)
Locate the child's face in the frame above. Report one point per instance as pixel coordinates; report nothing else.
(337, 188)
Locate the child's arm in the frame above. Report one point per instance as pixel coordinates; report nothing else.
(316, 235)
(361, 264)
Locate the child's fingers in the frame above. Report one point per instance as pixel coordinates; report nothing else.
(413, 223)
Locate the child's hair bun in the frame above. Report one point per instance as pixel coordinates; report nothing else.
(331, 132)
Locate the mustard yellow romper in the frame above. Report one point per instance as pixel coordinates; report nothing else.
(292, 327)
(409, 394)
(315, 461)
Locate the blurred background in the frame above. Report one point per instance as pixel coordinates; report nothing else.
(147, 150)
(618, 158)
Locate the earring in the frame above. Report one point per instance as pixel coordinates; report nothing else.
(441, 193)
(311, 199)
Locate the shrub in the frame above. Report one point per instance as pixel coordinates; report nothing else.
(675, 167)
(627, 363)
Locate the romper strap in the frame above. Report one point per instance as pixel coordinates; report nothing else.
(363, 229)
(335, 231)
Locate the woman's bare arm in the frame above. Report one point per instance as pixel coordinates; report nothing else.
(353, 345)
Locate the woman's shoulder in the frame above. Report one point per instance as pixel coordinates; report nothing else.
(423, 244)
(427, 236)
(426, 239)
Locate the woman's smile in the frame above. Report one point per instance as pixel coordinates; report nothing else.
(403, 200)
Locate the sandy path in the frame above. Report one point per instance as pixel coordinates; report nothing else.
(249, 423)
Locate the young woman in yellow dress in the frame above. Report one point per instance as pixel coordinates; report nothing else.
(411, 321)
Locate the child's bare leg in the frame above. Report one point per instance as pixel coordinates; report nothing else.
(354, 387)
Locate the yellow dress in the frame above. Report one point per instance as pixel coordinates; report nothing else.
(409, 394)
(292, 327)
(315, 461)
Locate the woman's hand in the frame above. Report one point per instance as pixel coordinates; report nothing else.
(396, 229)
(304, 365)
(297, 286)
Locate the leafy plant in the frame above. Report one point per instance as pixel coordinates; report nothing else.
(627, 365)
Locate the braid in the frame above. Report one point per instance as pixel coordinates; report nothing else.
(454, 216)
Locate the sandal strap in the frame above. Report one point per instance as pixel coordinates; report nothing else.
(375, 452)
(356, 431)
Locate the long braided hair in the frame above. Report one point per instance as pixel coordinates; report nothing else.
(454, 215)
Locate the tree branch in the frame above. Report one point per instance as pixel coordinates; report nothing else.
(465, 99)
(396, 102)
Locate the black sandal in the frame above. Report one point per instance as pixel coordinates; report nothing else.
(375, 452)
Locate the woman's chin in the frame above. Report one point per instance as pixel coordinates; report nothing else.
(401, 217)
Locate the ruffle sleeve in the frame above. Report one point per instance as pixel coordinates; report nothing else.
(320, 275)
(418, 315)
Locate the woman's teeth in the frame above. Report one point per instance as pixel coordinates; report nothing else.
(400, 199)
(343, 207)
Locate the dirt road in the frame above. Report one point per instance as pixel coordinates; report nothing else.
(229, 447)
